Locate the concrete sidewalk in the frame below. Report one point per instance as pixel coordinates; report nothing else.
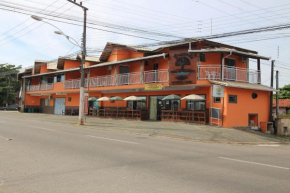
(191, 132)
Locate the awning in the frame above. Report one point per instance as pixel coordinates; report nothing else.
(127, 61)
(102, 65)
(243, 85)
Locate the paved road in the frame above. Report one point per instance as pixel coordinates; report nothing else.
(41, 156)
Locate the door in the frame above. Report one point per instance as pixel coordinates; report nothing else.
(59, 106)
(230, 73)
(124, 75)
(42, 103)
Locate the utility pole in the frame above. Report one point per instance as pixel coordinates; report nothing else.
(82, 89)
(277, 94)
(271, 93)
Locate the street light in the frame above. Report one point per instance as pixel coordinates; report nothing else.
(37, 18)
(82, 89)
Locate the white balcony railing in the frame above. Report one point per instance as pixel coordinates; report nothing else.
(39, 87)
(102, 81)
(213, 72)
(74, 83)
(128, 79)
(155, 76)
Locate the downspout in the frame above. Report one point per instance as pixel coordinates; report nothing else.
(223, 62)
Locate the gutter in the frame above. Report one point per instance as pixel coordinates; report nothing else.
(229, 51)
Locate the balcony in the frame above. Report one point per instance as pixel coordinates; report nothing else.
(213, 72)
(154, 76)
(39, 87)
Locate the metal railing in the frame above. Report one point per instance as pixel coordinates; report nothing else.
(209, 72)
(213, 72)
(102, 81)
(128, 78)
(74, 83)
(39, 87)
(155, 76)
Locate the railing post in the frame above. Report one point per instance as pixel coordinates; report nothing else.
(142, 72)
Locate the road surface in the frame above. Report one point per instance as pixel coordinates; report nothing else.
(45, 157)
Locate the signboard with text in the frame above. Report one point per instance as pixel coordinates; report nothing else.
(217, 91)
(153, 86)
(182, 67)
(86, 103)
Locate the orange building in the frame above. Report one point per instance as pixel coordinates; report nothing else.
(192, 67)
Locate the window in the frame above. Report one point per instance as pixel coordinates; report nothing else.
(202, 57)
(217, 99)
(69, 99)
(46, 102)
(230, 62)
(254, 95)
(233, 99)
(124, 69)
(59, 78)
(196, 105)
(138, 105)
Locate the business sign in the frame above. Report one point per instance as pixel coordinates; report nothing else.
(217, 91)
(153, 86)
(182, 67)
(86, 103)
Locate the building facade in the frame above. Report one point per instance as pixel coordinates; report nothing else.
(184, 68)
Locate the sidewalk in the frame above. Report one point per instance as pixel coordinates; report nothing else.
(191, 132)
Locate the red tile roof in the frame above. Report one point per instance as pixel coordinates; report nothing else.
(282, 103)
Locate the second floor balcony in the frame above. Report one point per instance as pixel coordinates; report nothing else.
(40, 87)
(154, 76)
(214, 72)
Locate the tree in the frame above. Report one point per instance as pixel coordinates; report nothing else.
(284, 92)
(9, 85)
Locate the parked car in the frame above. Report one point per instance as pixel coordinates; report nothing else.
(11, 108)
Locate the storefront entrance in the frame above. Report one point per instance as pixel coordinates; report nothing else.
(157, 104)
(59, 106)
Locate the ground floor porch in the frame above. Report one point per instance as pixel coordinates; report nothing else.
(239, 107)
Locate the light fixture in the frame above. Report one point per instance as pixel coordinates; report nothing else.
(36, 18)
(58, 32)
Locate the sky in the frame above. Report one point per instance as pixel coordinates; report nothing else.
(22, 39)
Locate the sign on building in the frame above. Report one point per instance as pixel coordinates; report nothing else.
(86, 103)
(182, 67)
(153, 86)
(217, 91)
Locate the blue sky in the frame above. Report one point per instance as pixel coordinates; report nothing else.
(22, 39)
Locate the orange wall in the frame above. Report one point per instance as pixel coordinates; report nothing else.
(43, 69)
(122, 54)
(71, 64)
(72, 75)
(35, 81)
(237, 114)
(32, 100)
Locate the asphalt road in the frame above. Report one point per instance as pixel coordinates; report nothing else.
(44, 157)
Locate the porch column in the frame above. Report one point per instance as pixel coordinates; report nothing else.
(198, 66)
(222, 66)
(142, 72)
(259, 70)
(23, 95)
(116, 73)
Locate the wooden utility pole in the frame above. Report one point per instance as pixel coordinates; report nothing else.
(82, 89)
(271, 93)
(277, 94)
